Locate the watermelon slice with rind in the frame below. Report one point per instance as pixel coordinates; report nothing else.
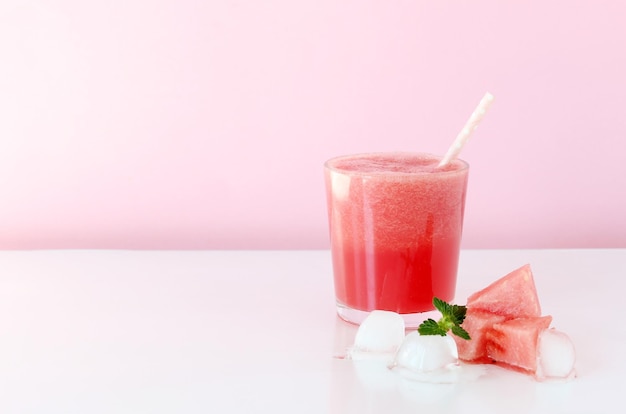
(512, 296)
(514, 342)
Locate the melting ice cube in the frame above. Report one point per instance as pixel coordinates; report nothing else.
(429, 358)
(555, 356)
(379, 336)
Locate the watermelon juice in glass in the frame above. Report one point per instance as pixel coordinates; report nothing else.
(395, 224)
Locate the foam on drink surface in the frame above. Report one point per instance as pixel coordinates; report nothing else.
(403, 191)
(394, 163)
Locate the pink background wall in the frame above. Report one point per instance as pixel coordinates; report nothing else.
(204, 124)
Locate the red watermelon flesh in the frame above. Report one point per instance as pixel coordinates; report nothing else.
(514, 342)
(477, 323)
(513, 295)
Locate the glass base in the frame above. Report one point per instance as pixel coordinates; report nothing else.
(411, 320)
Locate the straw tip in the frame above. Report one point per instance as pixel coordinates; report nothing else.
(488, 96)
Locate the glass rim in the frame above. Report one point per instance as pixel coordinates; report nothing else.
(464, 164)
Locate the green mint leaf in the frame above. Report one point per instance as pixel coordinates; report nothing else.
(459, 313)
(440, 305)
(443, 307)
(452, 316)
(460, 332)
(431, 327)
(454, 313)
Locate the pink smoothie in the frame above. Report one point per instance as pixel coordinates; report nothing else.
(395, 229)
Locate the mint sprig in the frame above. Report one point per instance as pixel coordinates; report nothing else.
(452, 316)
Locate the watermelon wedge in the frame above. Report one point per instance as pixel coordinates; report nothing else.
(477, 323)
(512, 296)
(514, 342)
(506, 327)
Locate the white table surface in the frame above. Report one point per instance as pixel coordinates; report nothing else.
(255, 331)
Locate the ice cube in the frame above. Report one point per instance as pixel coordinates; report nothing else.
(556, 356)
(425, 353)
(378, 336)
(429, 358)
